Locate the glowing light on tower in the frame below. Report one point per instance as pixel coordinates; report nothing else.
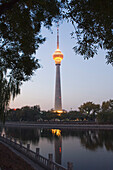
(58, 56)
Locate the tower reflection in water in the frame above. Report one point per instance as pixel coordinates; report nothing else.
(58, 145)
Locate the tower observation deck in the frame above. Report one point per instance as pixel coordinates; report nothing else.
(58, 56)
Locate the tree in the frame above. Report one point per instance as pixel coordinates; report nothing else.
(89, 109)
(106, 113)
(105, 117)
(20, 26)
(73, 115)
(107, 106)
(63, 116)
(44, 115)
(93, 23)
(26, 113)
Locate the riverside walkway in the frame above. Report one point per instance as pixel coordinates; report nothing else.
(13, 159)
(37, 161)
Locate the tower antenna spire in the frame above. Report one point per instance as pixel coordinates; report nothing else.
(57, 35)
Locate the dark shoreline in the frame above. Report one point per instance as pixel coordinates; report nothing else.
(10, 160)
(60, 125)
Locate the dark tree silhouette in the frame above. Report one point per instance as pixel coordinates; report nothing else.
(20, 26)
(93, 23)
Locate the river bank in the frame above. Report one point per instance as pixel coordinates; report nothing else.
(68, 125)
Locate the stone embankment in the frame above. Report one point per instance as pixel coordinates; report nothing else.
(57, 124)
(47, 164)
(11, 161)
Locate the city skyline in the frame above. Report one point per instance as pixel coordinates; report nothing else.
(82, 80)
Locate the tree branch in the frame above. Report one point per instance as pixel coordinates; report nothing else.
(4, 44)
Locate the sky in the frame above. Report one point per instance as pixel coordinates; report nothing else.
(81, 80)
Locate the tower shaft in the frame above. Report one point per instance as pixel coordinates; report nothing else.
(58, 56)
(58, 103)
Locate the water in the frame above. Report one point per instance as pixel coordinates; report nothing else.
(87, 149)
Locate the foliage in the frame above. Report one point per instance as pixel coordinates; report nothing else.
(74, 115)
(93, 23)
(87, 111)
(34, 114)
(103, 113)
(89, 108)
(105, 117)
(107, 106)
(106, 113)
(20, 26)
(24, 114)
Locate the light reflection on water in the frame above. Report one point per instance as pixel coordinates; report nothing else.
(87, 149)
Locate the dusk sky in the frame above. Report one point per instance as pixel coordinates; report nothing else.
(81, 80)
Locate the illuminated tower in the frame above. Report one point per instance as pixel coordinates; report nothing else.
(58, 145)
(58, 150)
(58, 56)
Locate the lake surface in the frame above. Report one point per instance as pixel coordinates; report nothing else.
(87, 149)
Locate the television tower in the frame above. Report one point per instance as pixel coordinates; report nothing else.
(58, 56)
